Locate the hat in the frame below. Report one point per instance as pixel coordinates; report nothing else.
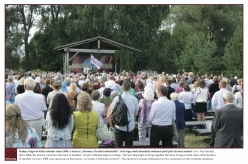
(110, 84)
(235, 77)
(37, 80)
(148, 94)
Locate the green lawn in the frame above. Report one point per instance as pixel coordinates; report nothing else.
(193, 141)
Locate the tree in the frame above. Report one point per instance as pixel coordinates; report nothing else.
(233, 57)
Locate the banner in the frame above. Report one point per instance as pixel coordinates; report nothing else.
(96, 62)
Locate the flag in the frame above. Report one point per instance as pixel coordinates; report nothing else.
(96, 62)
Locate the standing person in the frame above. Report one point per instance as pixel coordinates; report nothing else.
(180, 87)
(106, 100)
(64, 88)
(20, 88)
(59, 123)
(180, 119)
(56, 89)
(99, 107)
(47, 89)
(163, 112)
(214, 87)
(228, 124)
(85, 123)
(170, 89)
(201, 97)
(10, 90)
(186, 98)
(71, 94)
(145, 105)
(121, 133)
(32, 106)
(18, 134)
(217, 103)
(239, 96)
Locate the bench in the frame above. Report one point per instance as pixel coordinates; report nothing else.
(206, 118)
(192, 124)
(202, 132)
(209, 113)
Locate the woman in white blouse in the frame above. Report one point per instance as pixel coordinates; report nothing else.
(186, 98)
(201, 97)
(239, 96)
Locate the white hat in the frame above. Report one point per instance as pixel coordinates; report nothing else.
(235, 77)
(148, 94)
(37, 80)
(110, 84)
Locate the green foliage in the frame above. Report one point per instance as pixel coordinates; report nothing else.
(233, 57)
(204, 38)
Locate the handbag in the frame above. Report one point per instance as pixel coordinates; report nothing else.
(102, 133)
(174, 127)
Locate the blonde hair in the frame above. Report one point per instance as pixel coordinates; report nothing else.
(84, 103)
(239, 81)
(73, 86)
(10, 79)
(14, 121)
(227, 80)
(196, 84)
(90, 85)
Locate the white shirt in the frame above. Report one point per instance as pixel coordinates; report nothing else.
(238, 99)
(80, 82)
(32, 105)
(217, 100)
(186, 98)
(100, 90)
(162, 112)
(100, 109)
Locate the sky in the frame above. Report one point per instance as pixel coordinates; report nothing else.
(226, 155)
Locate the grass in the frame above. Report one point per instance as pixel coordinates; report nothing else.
(193, 141)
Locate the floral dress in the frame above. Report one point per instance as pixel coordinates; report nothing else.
(32, 140)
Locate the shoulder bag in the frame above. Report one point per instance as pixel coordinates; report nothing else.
(102, 133)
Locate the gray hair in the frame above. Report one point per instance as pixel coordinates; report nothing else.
(22, 81)
(174, 96)
(114, 94)
(30, 83)
(228, 96)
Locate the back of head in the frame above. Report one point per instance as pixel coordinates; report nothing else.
(29, 83)
(114, 94)
(126, 86)
(14, 121)
(10, 79)
(202, 84)
(85, 86)
(228, 96)
(106, 92)
(22, 81)
(222, 84)
(168, 82)
(56, 85)
(60, 111)
(148, 94)
(174, 96)
(84, 103)
(140, 85)
(95, 95)
(186, 88)
(215, 79)
(163, 90)
(73, 86)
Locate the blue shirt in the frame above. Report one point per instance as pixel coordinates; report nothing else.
(133, 107)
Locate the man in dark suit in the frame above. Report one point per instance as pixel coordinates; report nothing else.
(228, 124)
(180, 121)
(170, 89)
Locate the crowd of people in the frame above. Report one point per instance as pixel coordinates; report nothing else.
(68, 107)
